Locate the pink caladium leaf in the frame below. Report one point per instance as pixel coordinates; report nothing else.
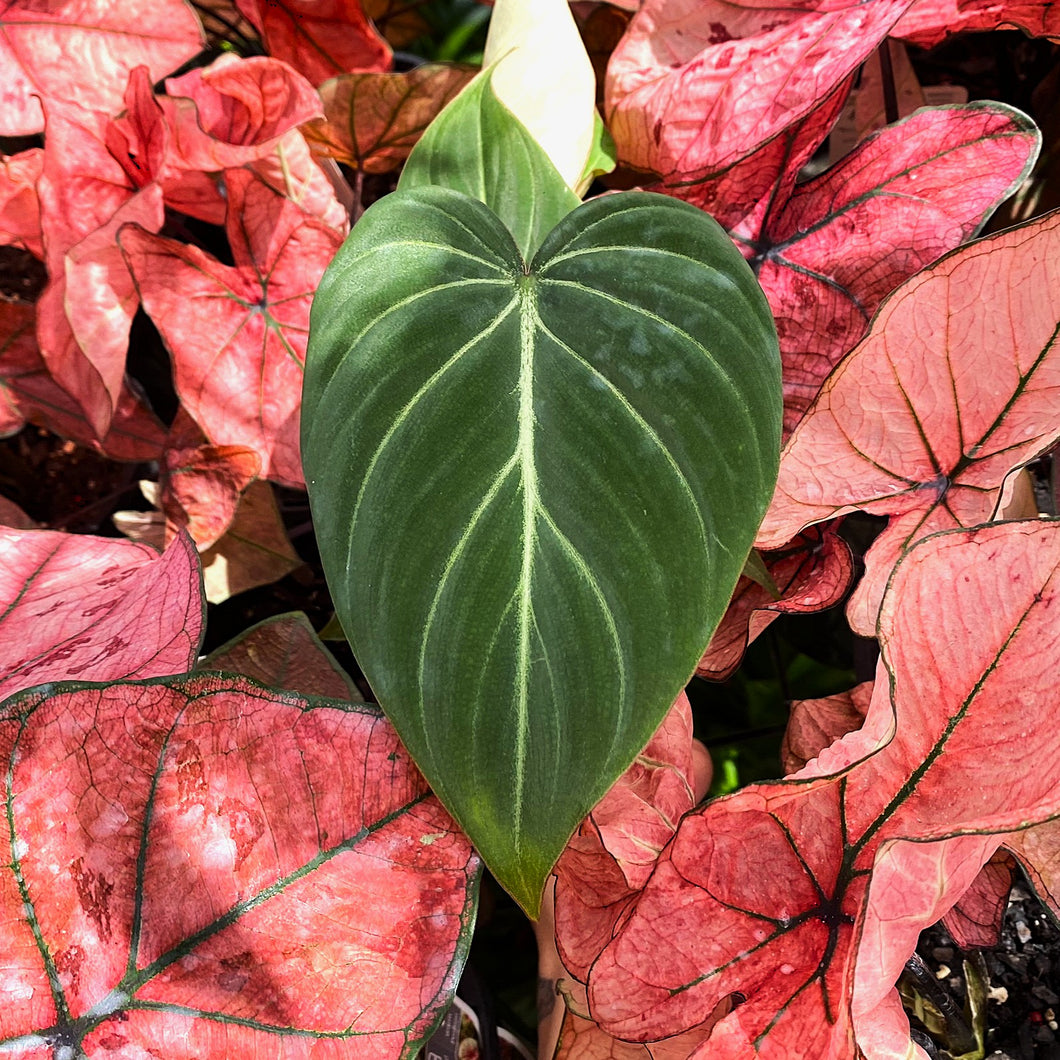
(975, 921)
(237, 335)
(235, 110)
(319, 39)
(200, 486)
(811, 573)
(694, 87)
(612, 854)
(82, 51)
(901, 199)
(742, 196)
(805, 897)
(372, 121)
(29, 393)
(817, 723)
(19, 206)
(94, 609)
(203, 868)
(929, 23)
(904, 426)
(285, 652)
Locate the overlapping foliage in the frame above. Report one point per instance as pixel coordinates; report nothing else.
(255, 868)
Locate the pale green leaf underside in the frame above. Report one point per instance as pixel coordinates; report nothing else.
(535, 488)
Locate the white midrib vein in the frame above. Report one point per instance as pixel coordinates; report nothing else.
(525, 452)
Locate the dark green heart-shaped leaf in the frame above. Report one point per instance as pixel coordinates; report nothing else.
(535, 487)
(477, 146)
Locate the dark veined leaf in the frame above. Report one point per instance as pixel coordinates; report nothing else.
(535, 487)
(200, 868)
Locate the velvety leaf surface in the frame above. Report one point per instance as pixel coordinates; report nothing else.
(19, 208)
(904, 427)
(695, 86)
(811, 573)
(372, 121)
(478, 147)
(806, 896)
(237, 334)
(523, 406)
(94, 609)
(200, 867)
(82, 51)
(285, 652)
(898, 202)
(319, 38)
(928, 23)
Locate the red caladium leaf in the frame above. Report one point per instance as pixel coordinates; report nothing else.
(928, 23)
(816, 723)
(94, 609)
(319, 39)
(372, 121)
(846, 239)
(285, 652)
(810, 574)
(199, 867)
(237, 335)
(806, 896)
(19, 207)
(695, 86)
(904, 426)
(86, 194)
(82, 51)
(245, 112)
(235, 110)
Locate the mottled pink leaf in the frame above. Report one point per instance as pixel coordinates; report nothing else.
(697, 85)
(285, 652)
(319, 38)
(905, 426)
(928, 23)
(900, 200)
(201, 868)
(94, 609)
(810, 574)
(19, 207)
(372, 121)
(816, 723)
(82, 51)
(806, 896)
(237, 335)
(741, 197)
(612, 854)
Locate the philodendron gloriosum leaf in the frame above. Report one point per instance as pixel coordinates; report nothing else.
(535, 487)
